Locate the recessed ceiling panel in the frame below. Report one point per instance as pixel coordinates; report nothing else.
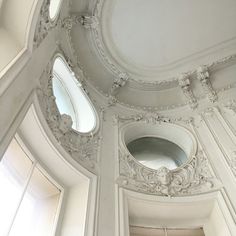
(151, 34)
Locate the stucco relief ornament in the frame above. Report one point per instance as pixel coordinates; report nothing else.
(68, 22)
(82, 148)
(148, 118)
(89, 21)
(204, 77)
(65, 123)
(118, 83)
(44, 24)
(193, 178)
(116, 86)
(184, 84)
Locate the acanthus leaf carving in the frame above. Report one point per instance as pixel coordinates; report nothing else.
(193, 178)
(152, 118)
(44, 24)
(184, 83)
(84, 19)
(116, 86)
(204, 77)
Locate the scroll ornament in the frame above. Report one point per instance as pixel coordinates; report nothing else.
(193, 178)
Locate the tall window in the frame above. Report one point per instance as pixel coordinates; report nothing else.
(29, 200)
(71, 98)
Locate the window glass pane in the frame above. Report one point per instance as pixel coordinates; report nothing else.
(14, 169)
(37, 212)
(54, 8)
(156, 152)
(71, 99)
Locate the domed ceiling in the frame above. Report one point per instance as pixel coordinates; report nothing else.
(152, 43)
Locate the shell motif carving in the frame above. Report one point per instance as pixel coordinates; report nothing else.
(193, 178)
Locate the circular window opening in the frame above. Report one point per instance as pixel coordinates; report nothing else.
(156, 152)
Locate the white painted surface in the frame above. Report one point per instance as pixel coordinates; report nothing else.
(9, 48)
(12, 111)
(152, 34)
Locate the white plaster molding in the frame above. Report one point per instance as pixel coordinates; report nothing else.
(184, 84)
(210, 113)
(193, 177)
(118, 83)
(86, 20)
(82, 147)
(44, 24)
(231, 105)
(204, 77)
(143, 85)
(151, 118)
(115, 68)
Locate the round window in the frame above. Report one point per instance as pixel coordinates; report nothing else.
(156, 152)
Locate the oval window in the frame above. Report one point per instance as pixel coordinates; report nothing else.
(71, 98)
(54, 8)
(156, 152)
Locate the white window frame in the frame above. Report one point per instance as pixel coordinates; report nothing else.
(73, 102)
(35, 164)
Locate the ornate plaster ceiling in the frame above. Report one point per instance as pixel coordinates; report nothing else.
(147, 38)
(134, 49)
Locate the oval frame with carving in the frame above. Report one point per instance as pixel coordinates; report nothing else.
(182, 137)
(97, 120)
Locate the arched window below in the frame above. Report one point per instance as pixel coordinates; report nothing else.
(71, 98)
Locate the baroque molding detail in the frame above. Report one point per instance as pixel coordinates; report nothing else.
(112, 66)
(86, 20)
(89, 21)
(118, 83)
(193, 178)
(82, 147)
(44, 24)
(184, 84)
(204, 77)
(137, 84)
(152, 118)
